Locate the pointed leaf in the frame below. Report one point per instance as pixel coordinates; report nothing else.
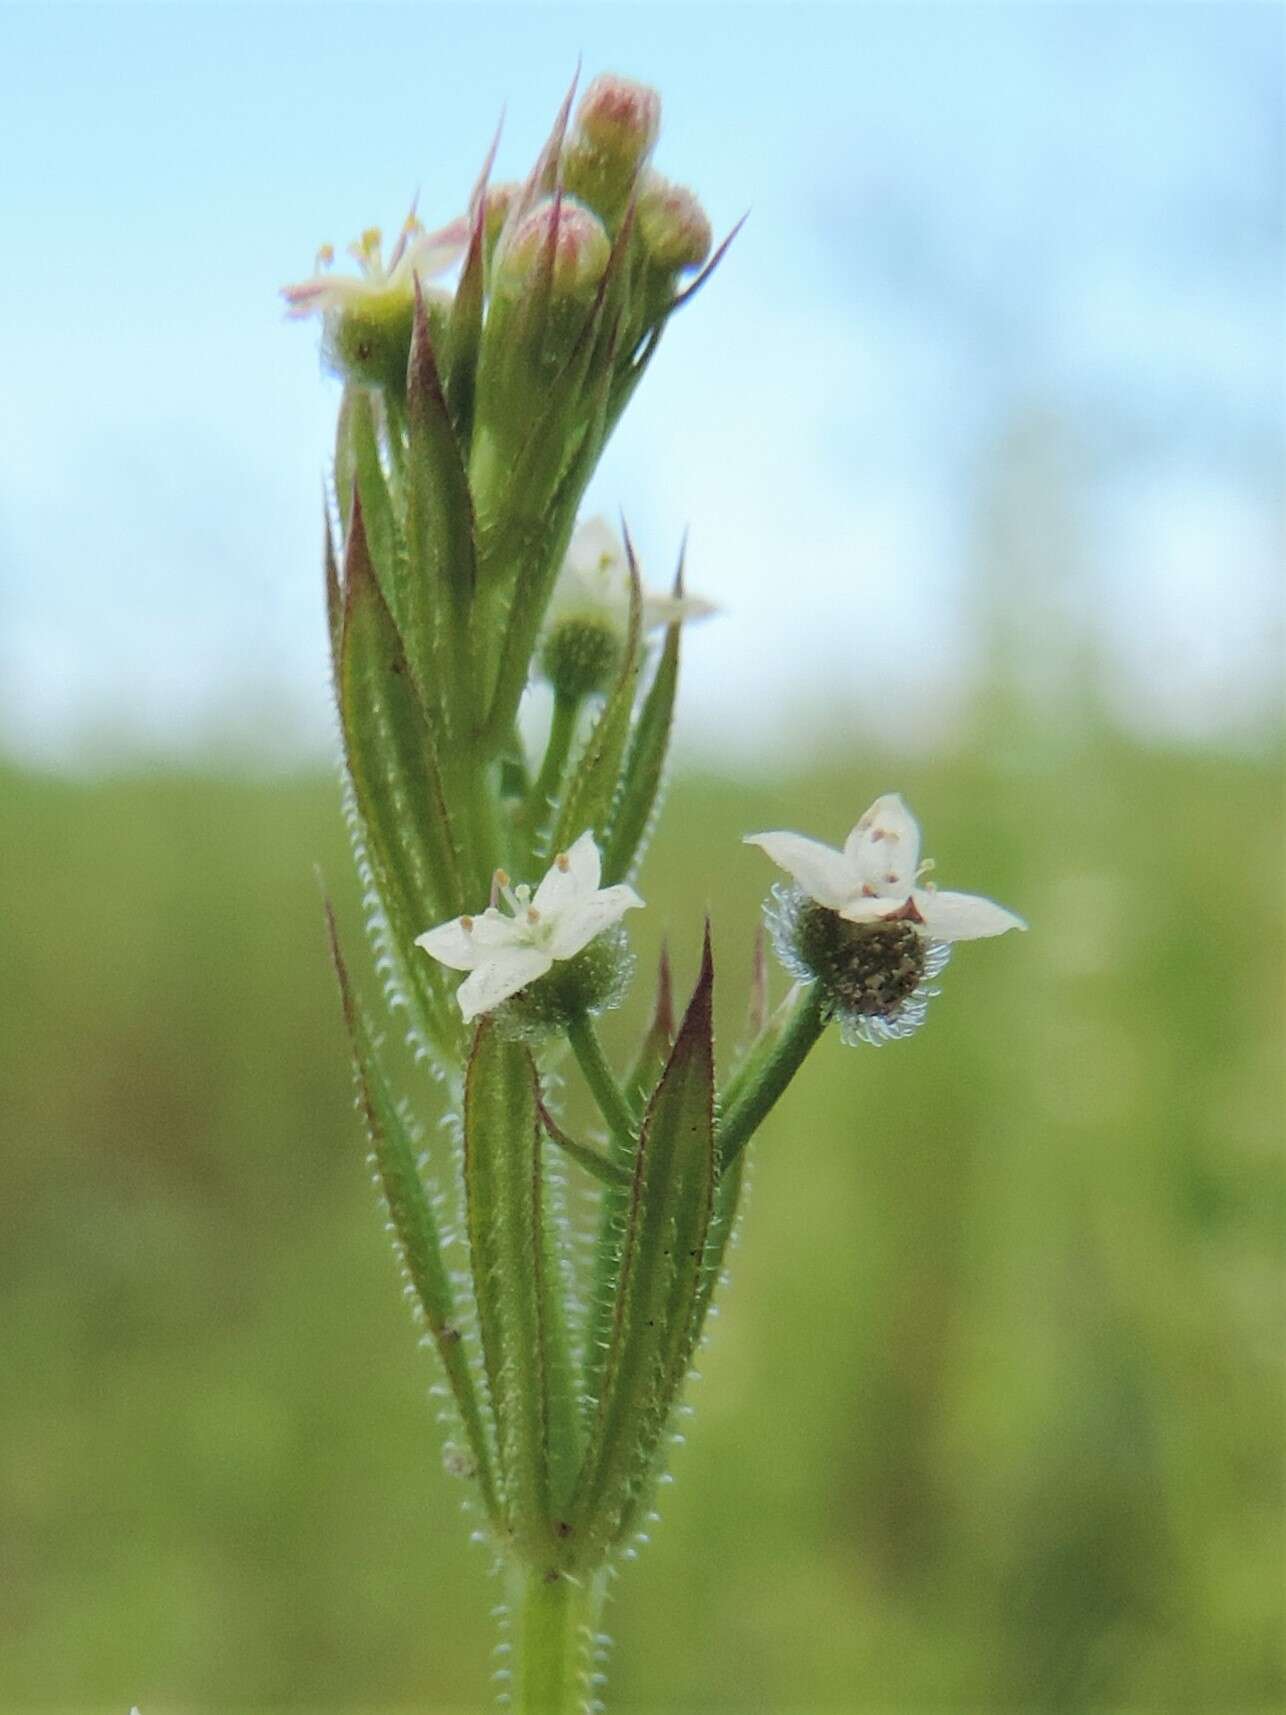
(362, 457)
(334, 597)
(657, 1291)
(440, 537)
(644, 770)
(397, 783)
(415, 1233)
(465, 328)
(515, 1287)
(614, 1205)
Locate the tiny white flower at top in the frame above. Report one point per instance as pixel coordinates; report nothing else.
(503, 953)
(417, 252)
(594, 582)
(877, 877)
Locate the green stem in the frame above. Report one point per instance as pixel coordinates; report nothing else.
(562, 730)
(607, 1172)
(554, 1624)
(601, 1080)
(766, 1075)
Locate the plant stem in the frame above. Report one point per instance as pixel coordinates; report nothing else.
(554, 1631)
(562, 730)
(765, 1076)
(601, 1080)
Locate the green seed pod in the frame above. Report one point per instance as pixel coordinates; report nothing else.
(873, 975)
(581, 656)
(370, 341)
(596, 980)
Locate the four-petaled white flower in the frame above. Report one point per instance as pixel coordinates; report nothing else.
(416, 252)
(594, 583)
(505, 953)
(875, 878)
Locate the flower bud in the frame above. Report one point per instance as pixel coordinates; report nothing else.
(620, 120)
(616, 130)
(580, 250)
(581, 655)
(672, 224)
(595, 980)
(873, 975)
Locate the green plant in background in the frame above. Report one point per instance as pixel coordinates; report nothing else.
(472, 421)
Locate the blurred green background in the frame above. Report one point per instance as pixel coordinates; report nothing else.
(992, 1418)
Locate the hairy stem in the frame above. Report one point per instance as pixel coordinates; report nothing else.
(554, 1623)
(766, 1074)
(601, 1080)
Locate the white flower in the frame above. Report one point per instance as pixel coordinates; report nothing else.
(416, 252)
(874, 879)
(505, 953)
(594, 583)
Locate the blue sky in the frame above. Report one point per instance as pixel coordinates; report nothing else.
(1012, 276)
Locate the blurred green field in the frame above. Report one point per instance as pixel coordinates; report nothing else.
(992, 1418)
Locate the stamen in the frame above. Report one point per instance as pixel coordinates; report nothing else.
(466, 923)
(563, 862)
(533, 916)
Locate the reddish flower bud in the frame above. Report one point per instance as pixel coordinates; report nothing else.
(580, 249)
(619, 119)
(672, 224)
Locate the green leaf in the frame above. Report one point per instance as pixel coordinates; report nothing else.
(591, 787)
(605, 1170)
(614, 1205)
(368, 481)
(334, 597)
(440, 541)
(644, 769)
(397, 784)
(520, 1315)
(659, 1280)
(415, 1233)
(465, 326)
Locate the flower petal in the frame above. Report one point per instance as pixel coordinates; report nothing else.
(500, 975)
(824, 874)
(884, 847)
(320, 295)
(594, 546)
(661, 610)
(573, 874)
(451, 944)
(580, 921)
(962, 916)
(873, 908)
(431, 253)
